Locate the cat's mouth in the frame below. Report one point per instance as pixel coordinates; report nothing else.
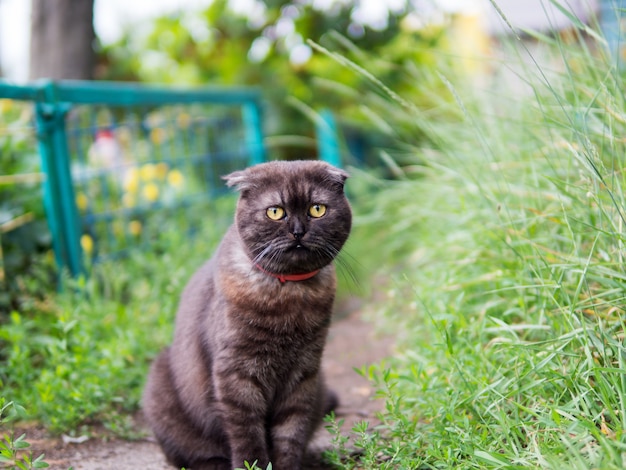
(295, 244)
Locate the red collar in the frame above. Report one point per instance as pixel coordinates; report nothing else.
(289, 277)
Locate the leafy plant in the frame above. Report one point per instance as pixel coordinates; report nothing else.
(253, 466)
(13, 453)
(25, 264)
(82, 356)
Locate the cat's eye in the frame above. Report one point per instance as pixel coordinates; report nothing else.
(317, 210)
(275, 213)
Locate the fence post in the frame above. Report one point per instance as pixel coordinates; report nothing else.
(59, 199)
(612, 24)
(254, 133)
(328, 144)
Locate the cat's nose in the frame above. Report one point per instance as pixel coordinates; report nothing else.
(297, 230)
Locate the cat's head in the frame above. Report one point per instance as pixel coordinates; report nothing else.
(293, 217)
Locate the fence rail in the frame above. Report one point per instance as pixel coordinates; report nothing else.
(111, 151)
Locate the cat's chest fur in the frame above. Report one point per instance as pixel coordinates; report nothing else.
(276, 317)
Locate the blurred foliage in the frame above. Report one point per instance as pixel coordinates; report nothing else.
(267, 46)
(25, 275)
(247, 43)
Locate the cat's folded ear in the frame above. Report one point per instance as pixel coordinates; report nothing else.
(337, 175)
(240, 180)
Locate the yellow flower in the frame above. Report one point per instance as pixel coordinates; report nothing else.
(150, 192)
(82, 201)
(175, 178)
(131, 180)
(161, 170)
(134, 227)
(5, 105)
(86, 242)
(147, 172)
(157, 135)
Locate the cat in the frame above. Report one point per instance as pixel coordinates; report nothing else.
(241, 380)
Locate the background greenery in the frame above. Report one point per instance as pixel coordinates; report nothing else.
(217, 44)
(499, 248)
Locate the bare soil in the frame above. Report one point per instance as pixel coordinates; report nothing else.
(352, 343)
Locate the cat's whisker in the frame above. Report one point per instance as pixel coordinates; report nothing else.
(271, 255)
(275, 258)
(345, 267)
(261, 255)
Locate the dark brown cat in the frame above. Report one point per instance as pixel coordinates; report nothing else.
(241, 380)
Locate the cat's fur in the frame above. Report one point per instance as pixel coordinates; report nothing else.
(241, 380)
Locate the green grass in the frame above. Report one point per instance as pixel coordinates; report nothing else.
(499, 253)
(81, 356)
(508, 302)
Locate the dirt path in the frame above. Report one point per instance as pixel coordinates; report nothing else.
(351, 343)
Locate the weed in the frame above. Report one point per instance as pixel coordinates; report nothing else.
(82, 355)
(13, 453)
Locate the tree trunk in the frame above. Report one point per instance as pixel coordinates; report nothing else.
(62, 39)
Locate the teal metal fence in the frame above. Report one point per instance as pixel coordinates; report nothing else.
(122, 160)
(116, 156)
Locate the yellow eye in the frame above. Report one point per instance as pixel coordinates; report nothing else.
(275, 213)
(317, 210)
